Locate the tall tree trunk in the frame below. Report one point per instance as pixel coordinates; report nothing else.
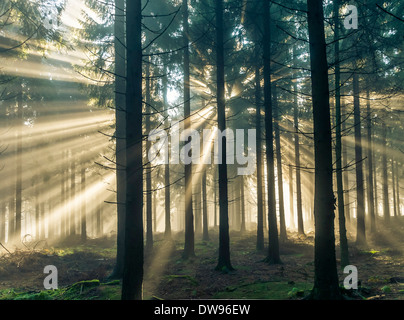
(370, 195)
(62, 197)
(2, 222)
(300, 224)
(326, 284)
(224, 238)
(386, 202)
(37, 211)
(155, 207)
(72, 206)
(120, 134)
(242, 203)
(291, 197)
(42, 214)
(273, 246)
(18, 186)
(393, 185)
(338, 146)
(375, 184)
(11, 219)
(149, 204)
(167, 190)
(83, 204)
(260, 202)
(189, 246)
(282, 224)
(167, 202)
(236, 207)
(133, 251)
(99, 229)
(198, 205)
(46, 206)
(51, 226)
(345, 164)
(398, 190)
(215, 186)
(360, 201)
(205, 235)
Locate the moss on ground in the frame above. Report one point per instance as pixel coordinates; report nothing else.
(82, 290)
(274, 290)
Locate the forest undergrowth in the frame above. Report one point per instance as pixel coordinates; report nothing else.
(83, 269)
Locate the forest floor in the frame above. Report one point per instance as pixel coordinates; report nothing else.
(83, 269)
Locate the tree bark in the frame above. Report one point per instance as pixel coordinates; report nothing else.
(205, 231)
(120, 134)
(242, 203)
(300, 224)
(273, 246)
(73, 208)
(167, 190)
(149, 201)
(11, 219)
(291, 196)
(189, 246)
(37, 211)
(2, 222)
(62, 197)
(375, 184)
(326, 284)
(370, 195)
(360, 201)
(386, 201)
(346, 174)
(99, 226)
(224, 239)
(338, 144)
(83, 204)
(260, 202)
(282, 224)
(18, 186)
(197, 205)
(215, 187)
(393, 186)
(398, 190)
(133, 252)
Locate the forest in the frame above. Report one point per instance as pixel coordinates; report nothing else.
(201, 149)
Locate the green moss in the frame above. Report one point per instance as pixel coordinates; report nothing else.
(107, 292)
(85, 284)
(77, 291)
(172, 277)
(112, 283)
(295, 293)
(272, 290)
(83, 290)
(386, 289)
(43, 295)
(9, 294)
(369, 252)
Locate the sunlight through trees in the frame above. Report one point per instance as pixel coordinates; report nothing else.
(89, 89)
